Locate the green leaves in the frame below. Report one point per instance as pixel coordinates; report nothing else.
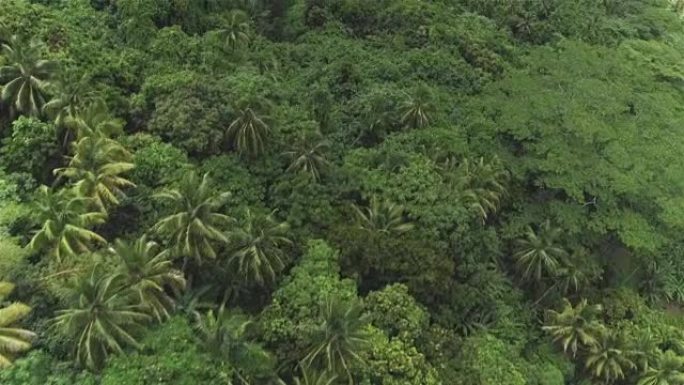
(12, 340)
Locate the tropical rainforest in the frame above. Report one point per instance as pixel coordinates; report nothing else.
(341, 192)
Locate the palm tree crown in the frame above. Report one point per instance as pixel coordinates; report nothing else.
(195, 221)
(27, 77)
(103, 319)
(66, 221)
(607, 360)
(237, 29)
(12, 340)
(337, 341)
(248, 132)
(256, 245)
(575, 327)
(382, 216)
(308, 156)
(538, 253)
(148, 272)
(668, 371)
(97, 165)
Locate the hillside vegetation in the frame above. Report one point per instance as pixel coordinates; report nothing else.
(341, 192)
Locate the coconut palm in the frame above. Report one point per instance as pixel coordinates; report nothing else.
(66, 221)
(149, 272)
(607, 360)
(336, 343)
(248, 132)
(104, 317)
(308, 156)
(575, 326)
(483, 184)
(96, 167)
(669, 370)
(383, 217)
(237, 29)
(12, 340)
(256, 245)
(26, 78)
(417, 111)
(538, 253)
(195, 222)
(225, 334)
(73, 97)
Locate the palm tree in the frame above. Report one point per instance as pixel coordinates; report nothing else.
(148, 272)
(257, 247)
(73, 97)
(248, 132)
(27, 77)
(538, 253)
(66, 220)
(80, 115)
(382, 216)
(607, 360)
(417, 110)
(575, 327)
(336, 342)
(97, 165)
(104, 318)
(237, 29)
(483, 185)
(12, 340)
(195, 221)
(308, 156)
(668, 371)
(225, 334)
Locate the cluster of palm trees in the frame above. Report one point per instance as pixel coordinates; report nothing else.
(610, 355)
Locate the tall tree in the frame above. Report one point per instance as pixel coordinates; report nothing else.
(195, 221)
(256, 244)
(248, 132)
(336, 343)
(575, 326)
(12, 340)
(66, 221)
(607, 360)
(26, 78)
(96, 167)
(538, 253)
(149, 272)
(417, 110)
(308, 156)
(382, 217)
(669, 370)
(237, 30)
(104, 317)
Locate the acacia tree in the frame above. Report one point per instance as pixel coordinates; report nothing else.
(26, 78)
(195, 221)
(13, 340)
(66, 221)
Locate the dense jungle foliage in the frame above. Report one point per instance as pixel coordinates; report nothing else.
(337, 192)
